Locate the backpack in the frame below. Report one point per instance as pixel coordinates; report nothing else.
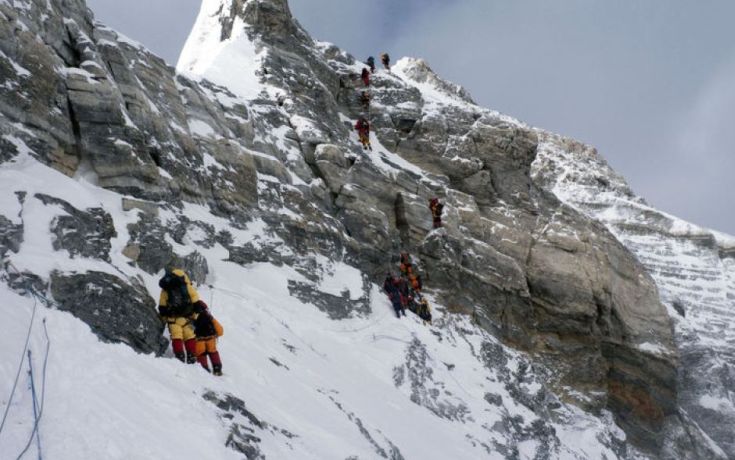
(206, 326)
(179, 300)
(218, 327)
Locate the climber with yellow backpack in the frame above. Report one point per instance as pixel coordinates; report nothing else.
(423, 310)
(176, 305)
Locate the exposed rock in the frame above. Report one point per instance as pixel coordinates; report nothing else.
(391, 452)
(244, 426)
(114, 309)
(8, 150)
(337, 307)
(11, 236)
(194, 264)
(84, 233)
(425, 391)
(581, 178)
(26, 283)
(148, 243)
(145, 206)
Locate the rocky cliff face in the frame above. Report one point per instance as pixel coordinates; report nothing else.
(255, 131)
(692, 267)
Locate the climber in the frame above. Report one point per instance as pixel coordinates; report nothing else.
(436, 211)
(405, 291)
(207, 330)
(385, 59)
(365, 75)
(406, 266)
(423, 310)
(415, 281)
(363, 131)
(365, 100)
(390, 286)
(371, 63)
(176, 306)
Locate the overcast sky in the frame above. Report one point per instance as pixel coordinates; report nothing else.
(650, 83)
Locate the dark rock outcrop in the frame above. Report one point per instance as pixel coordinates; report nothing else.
(82, 233)
(245, 428)
(115, 310)
(11, 236)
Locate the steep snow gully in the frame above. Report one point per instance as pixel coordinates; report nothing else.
(571, 320)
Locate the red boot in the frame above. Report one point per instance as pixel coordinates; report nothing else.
(178, 347)
(191, 351)
(216, 363)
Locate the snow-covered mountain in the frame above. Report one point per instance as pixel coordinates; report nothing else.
(694, 269)
(550, 339)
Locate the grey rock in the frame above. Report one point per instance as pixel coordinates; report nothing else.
(145, 206)
(583, 179)
(337, 307)
(8, 150)
(391, 452)
(116, 310)
(26, 283)
(148, 242)
(83, 233)
(425, 390)
(194, 264)
(245, 428)
(493, 399)
(11, 236)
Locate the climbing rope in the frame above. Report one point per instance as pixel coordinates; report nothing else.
(36, 432)
(20, 364)
(388, 337)
(265, 310)
(37, 407)
(368, 326)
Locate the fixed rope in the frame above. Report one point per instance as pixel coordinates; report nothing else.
(37, 407)
(267, 312)
(20, 364)
(36, 431)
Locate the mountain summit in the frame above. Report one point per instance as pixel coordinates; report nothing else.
(571, 320)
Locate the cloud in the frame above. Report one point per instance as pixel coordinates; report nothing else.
(697, 172)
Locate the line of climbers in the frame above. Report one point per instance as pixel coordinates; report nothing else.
(404, 291)
(193, 329)
(362, 126)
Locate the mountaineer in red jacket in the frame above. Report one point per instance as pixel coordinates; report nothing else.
(363, 131)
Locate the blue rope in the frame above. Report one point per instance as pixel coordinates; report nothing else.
(36, 430)
(20, 365)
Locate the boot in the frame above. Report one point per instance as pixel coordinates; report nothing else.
(203, 361)
(216, 363)
(191, 351)
(178, 347)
